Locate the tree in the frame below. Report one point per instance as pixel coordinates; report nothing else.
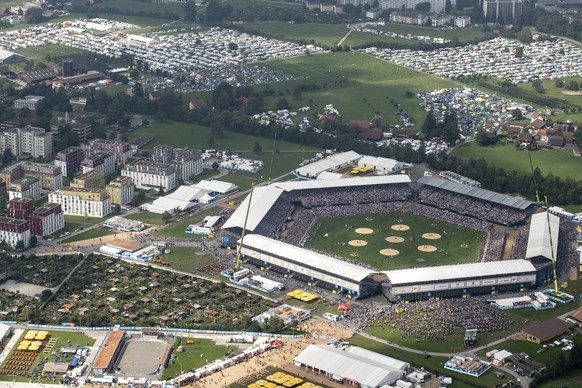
(232, 46)
(160, 191)
(33, 15)
(7, 156)
(537, 85)
(116, 208)
(448, 6)
(19, 245)
(559, 83)
(425, 6)
(166, 217)
(33, 240)
(282, 104)
(257, 149)
(525, 36)
(578, 136)
(519, 52)
(215, 166)
(190, 11)
(222, 97)
(3, 203)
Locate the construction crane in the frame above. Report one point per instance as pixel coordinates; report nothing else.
(242, 237)
(159, 260)
(556, 288)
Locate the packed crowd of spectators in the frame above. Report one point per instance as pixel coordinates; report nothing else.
(464, 204)
(431, 320)
(354, 195)
(492, 246)
(450, 217)
(520, 243)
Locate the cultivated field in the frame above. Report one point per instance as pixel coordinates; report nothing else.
(384, 241)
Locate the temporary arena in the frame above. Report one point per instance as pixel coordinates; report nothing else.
(283, 215)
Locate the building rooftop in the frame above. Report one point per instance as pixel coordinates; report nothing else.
(25, 181)
(548, 329)
(45, 208)
(108, 350)
(12, 221)
(66, 190)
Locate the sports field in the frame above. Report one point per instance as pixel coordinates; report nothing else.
(396, 240)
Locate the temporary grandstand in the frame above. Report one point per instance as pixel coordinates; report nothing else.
(325, 271)
(264, 199)
(330, 163)
(352, 364)
(475, 192)
(457, 280)
(538, 243)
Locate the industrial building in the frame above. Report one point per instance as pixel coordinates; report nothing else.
(10, 57)
(82, 202)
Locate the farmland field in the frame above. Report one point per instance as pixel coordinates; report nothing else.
(321, 34)
(454, 246)
(560, 163)
(136, 5)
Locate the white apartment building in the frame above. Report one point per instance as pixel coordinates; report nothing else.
(32, 141)
(146, 174)
(82, 202)
(102, 161)
(27, 187)
(437, 6)
(12, 231)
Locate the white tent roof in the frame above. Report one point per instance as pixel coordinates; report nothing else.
(186, 193)
(325, 175)
(4, 330)
(264, 197)
(379, 162)
(538, 242)
(459, 271)
(214, 185)
(305, 257)
(363, 368)
(164, 204)
(331, 162)
(389, 361)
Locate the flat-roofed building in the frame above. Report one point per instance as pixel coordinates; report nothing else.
(32, 141)
(109, 352)
(120, 149)
(93, 179)
(81, 130)
(51, 177)
(187, 162)
(30, 102)
(147, 174)
(47, 219)
(102, 161)
(69, 160)
(121, 190)
(20, 208)
(82, 202)
(26, 187)
(12, 231)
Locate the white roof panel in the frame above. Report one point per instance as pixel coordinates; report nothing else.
(538, 242)
(214, 185)
(186, 193)
(263, 199)
(460, 271)
(330, 163)
(356, 367)
(348, 182)
(379, 162)
(325, 175)
(306, 257)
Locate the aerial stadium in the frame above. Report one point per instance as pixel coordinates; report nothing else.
(514, 248)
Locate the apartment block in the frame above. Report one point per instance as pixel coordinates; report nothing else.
(102, 161)
(26, 187)
(69, 160)
(121, 150)
(32, 141)
(82, 202)
(47, 220)
(20, 208)
(31, 102)
(51, 177)
(121, 190)
(12, 231)
(93, 179)
(186, 162)
(147, 174)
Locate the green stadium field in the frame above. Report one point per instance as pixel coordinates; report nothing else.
(453, 245)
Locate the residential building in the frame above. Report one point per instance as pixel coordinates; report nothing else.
(78, 103)
(93, 179)
(186, 162)
(462, 21)
(373, 13)
(436, 6)
(51, 177)
(121, 190)
(30, 102)
(82, 202)
(32, 141)
(147, 174)
(12, 231)
(102, 161)
(81, 130)
(20, 208)
(441, 20)
(25, 187)
(47, 220)
(502, 10)
(410, 17)
(121, 150)
(69, 160)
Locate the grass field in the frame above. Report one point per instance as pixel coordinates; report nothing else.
(199, 353)
(464, 34)
(146, 217)
(38, 53)
(194, 136)
(356, 84)
(321, 34)
(73, 223)
(177, 229)
(331, 231)
(558, 162)
(432, 364)
(92, 233)
(187, 259)
(136, 5)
